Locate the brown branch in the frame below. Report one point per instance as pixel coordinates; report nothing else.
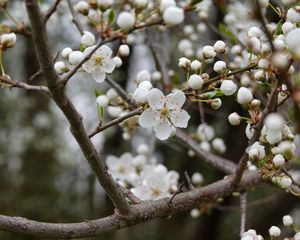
(19, 84)
(140, 213)
(116, 121)
(74, 17)
(220, 163)
(76, 125)
(51, 10)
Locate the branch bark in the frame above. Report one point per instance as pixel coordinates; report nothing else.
(140, 213)
(74, 118)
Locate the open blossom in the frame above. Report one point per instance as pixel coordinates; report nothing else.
(120, 168)
(164, 113)
(100, 62)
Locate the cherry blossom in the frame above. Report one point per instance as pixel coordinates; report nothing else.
(165, 113)
(100, 62)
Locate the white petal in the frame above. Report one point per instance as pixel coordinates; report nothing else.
(147, 118)
(89, 66)
(179, 118)
(98, 75)
(109, 65)
(163, 130)
(175, 100)
(111, 161)
(104, 51)
(156, 98)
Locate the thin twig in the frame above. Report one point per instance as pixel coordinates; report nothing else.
(74, 17)
(19, 84)
(51, 10)
(189, 181)
(243, 208)
(116, 121)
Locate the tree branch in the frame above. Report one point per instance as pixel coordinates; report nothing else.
(220, 163)
(140, 212)
(74, 118)
(51, 10)
(74, 17)
(18, 84)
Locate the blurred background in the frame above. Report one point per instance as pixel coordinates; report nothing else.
(44, 177)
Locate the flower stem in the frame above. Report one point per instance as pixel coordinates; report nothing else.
(1, 63)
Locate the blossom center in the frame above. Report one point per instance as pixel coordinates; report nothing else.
(165, 112)
(98, 60)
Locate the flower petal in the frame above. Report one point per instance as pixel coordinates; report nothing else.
(163, 130)
(147, 118)
(179, 118)
(109, 66)
(175, 100)
(98, 75)
(156, 98)
(104, 51)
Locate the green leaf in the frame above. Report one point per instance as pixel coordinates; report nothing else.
(100, 110)
(111, 17)
(194, 2)
(98, 93)
(225, 31)
(279, 28)
(212, 94)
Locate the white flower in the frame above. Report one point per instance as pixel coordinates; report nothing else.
(125, 21)
(220, 67)
(99, 63)
(143, 149)
(219, 145)
(141, 3)
(274, 122)
(124, 50)
(205, 132)
(196, 65)
(8, 39)
(215, 103)
(293, 15)
(274, 231)
(220, 46)
(285, 182)
(287, 149)
(118, 61)
(102, 100)
(146, 84)
(260, 150)
(75, 57)
(164, 113)
(251, 235)
(66, 51)
(173, 16)
(208, 52)
(244, 95)
(263, 3)
(287, 27)
(273, 136)
(195, 81)
(292, 41)
(82, 7)
(120, 168)
(184, 63)
(228, 87)
(111, 94)
(297, 236)
(164, 4)
(105, 4)
(143, 75)
(88, 39)
(205, 146)
(234, 119)
(60, 67)
(197, 178)
(287, 220)
(156, 76)
(114, 111)
(264, 64)
(195, 213)
(278, 160)
(140, 95)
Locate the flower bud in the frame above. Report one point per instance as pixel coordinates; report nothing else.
(82, 7)
(105, 4)
(125, 21)
(195, 81)
(118, 61)
(140, 95)
(124, 50)
(184, 63)
(215, 103)
(114, 112)
(111, 94)
(208, 52)
(143, 75)
(141, 4)
(60, 67)
(196, 65)
(234, 119)
(197, 178)
(102, 100)
(173, 16)
(228, 87)
(287, 220)
(220, 67)
(220, 47)
(88, 39)
(146, 84)
(274, 231)
(244, 96)
(65, 52)
(278, 160)
(8, 40)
